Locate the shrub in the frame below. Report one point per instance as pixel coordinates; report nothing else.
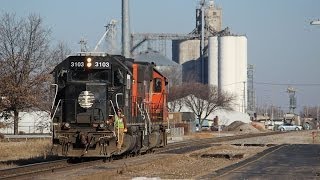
(2, 125)
(1, 136)
(21, 133)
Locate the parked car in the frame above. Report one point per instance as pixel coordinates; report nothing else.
(203, 128)
(289, 127)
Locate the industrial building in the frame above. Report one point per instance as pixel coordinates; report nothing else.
(209, 54)
(172, 70)
(193, 54)
(218, 58)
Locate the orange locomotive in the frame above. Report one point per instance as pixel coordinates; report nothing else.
(90, 89)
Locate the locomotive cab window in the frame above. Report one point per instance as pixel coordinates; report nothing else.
(102, 76)
(118, 78)
(157, 85)
(79, 76)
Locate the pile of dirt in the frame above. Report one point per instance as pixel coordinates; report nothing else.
(258, 125)
(240, 126)
(234, 125)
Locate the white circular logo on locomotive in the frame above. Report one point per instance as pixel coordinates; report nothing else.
(86, 99)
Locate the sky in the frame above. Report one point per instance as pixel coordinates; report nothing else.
(282, 45)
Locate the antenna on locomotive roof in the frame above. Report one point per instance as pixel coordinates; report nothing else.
(83, 45)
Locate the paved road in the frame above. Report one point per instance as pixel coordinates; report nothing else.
(296, 161)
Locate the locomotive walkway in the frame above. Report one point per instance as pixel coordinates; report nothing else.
(295, 161)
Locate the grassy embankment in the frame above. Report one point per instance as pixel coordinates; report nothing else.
(13, 154)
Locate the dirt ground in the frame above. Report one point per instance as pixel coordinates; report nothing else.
(192, 165)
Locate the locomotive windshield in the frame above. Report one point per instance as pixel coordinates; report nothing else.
(97, 76)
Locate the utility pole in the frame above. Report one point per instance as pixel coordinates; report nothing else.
(316, 23)
(125, 29)
(244, 97)
(318, 113)
(202, 3)
(292, 99)
(83, 45)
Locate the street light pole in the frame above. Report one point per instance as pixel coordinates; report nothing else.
(315, 22)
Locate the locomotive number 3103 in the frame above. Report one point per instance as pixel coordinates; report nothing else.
(97, 64)
(77, 64)
(102, 64)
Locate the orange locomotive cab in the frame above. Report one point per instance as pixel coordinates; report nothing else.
(158, 97)
(149, 90)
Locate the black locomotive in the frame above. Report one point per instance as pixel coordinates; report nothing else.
(88, 90)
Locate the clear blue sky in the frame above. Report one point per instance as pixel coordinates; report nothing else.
(282, 45)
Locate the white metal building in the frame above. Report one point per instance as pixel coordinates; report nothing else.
(29, 123)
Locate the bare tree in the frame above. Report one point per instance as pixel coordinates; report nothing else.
(310, 112)
(274, 112)
(24, 64)
(204, 99)
(59, 53)
(175, 98)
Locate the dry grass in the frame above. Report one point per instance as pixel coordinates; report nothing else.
(200, 135)
(11, 151)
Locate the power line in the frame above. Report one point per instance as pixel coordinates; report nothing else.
(287, 84)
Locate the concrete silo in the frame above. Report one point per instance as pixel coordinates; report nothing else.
(187, 53)
(227, 67)
(213, 47)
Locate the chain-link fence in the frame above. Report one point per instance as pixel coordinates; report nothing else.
(32, 129)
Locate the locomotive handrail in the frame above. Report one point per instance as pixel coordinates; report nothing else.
(114, 110)
(149, 120)
(143, 117)
(115, 113)
(55, 95)
(118, 94)
(54, 113)
(141, 112)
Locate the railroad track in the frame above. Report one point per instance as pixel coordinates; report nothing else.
(186, 146)
(31, 169)
(196, 144)
(43, 167)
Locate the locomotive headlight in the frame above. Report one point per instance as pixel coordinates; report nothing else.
(89, 62)
(101, 125)
(65, 126)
